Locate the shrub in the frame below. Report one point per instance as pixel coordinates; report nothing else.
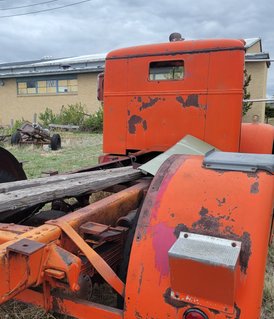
(17, 124)
(94, 122)
(246, 105)
(48, 117)
(71, 114)
(269, 111)
(74, 114)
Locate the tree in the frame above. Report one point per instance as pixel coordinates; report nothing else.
(269, 110)
(246, 105)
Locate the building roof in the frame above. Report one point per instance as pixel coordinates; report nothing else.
(252, 41)
(258, 57)
(96, 62)
(48, 66)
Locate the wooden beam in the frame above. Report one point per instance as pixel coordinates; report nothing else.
(17, 185)
(61, 187)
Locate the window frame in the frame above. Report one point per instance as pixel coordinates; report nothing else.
(166, 61)
(47, 79)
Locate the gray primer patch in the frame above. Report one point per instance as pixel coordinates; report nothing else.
(151, 102)
(135, 120)
(192, 100)
(254, 189)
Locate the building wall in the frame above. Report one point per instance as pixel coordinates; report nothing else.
(257, 89)
(257, 85)
(13, 106)
(255, 48)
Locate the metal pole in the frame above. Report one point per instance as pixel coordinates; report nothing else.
(259, 100)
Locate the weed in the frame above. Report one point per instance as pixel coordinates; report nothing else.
(74, 114)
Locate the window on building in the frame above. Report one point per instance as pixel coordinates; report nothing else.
(47, 86)
(166, 70)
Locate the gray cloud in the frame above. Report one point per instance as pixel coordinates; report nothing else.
(100, 26)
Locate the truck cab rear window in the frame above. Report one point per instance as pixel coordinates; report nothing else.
(166, 70)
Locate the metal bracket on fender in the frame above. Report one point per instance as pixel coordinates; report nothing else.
(203, 270)
(239, 162)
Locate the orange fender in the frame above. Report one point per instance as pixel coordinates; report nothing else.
(257, 138)
(184, 196)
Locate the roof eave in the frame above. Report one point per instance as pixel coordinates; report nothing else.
(37, 74)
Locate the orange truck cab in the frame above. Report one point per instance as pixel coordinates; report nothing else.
(156, 94)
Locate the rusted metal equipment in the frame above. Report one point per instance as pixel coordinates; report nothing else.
(34, 134)
(190, 242)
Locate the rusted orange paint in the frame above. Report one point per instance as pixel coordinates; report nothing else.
(95, 259)
(143, 114)
(186, 197)
(19, 272)
(257, 138)
(79, 309)
(140, 115)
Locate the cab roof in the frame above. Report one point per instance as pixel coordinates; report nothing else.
(177, 47)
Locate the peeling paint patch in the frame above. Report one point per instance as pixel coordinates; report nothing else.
(140, 279)
(254, 189)
(238, 312)
(151, 102)
(210, 226)
(207, 221)
(245, 251)
(192, 100)
(137, 315)
(144, 123)
(135, 120)
(221, 202)
(180, 228)
(173, 302)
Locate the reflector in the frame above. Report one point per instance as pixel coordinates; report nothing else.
(195, 314)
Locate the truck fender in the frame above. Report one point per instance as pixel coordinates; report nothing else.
(257, 138)
(185, 197)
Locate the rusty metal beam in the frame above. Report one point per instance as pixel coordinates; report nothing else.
(11, 231)
(21, 271)
(79, 309)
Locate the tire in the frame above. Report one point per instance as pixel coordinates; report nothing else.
(16, 138)
(6, 177)
(55, 142)
(10, 168)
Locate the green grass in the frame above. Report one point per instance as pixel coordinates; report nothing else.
(81, 150)
(268, 299)
(78, 150)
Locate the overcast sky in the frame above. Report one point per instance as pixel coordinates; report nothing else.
(98, 26)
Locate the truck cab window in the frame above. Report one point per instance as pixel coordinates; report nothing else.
(166, 70)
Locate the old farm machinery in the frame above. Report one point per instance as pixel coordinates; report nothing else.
(33, 133)
(190, 242)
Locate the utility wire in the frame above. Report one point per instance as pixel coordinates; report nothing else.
(27, 5)
(45, 10)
